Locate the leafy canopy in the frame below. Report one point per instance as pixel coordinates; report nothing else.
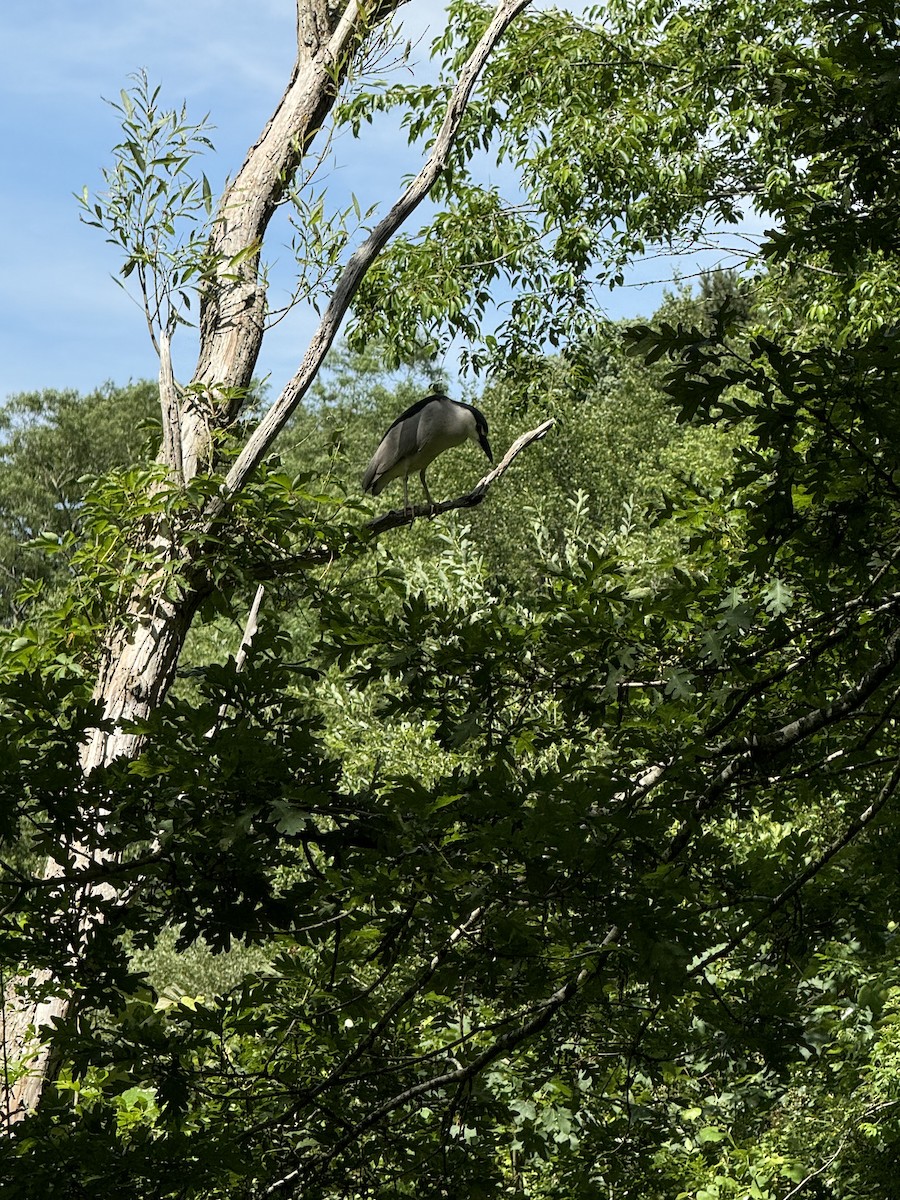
(576, 879)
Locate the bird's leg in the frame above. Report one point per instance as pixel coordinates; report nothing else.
(426, 491)
(407, 508)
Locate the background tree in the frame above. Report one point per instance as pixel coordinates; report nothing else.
(53, 441)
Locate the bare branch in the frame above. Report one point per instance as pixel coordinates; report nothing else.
(397, 517)
(233, 303)
(249, 629)
(848, 702)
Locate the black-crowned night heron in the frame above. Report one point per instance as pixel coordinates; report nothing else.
(418, 436)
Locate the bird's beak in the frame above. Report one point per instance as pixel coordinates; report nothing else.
(486, 446)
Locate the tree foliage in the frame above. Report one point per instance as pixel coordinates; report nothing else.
(53, 442)
(570, 837)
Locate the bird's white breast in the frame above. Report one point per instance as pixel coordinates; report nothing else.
(441, 426)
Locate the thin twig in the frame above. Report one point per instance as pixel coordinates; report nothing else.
(854, 1121)
(240, 658)
(809, 872)
(170, 408)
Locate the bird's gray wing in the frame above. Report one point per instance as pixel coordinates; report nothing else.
(397, 444)
(371, 471)
(407, 436)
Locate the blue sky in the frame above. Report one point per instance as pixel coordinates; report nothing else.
(63, 321)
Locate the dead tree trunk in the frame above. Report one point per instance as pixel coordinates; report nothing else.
(141, 652)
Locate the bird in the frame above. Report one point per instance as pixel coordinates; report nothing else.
(427, 428)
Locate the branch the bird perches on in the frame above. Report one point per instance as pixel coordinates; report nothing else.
(320, 555)
(398, 517)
